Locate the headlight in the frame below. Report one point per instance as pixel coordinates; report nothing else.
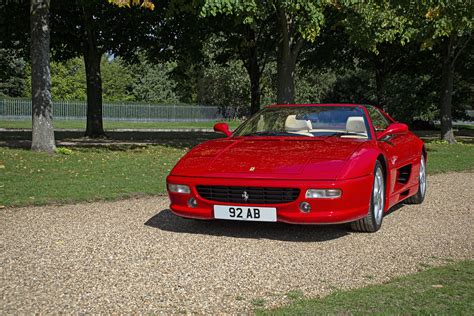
(323, 193)
(179, 188)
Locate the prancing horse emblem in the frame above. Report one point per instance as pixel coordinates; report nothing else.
(252, 169)
(245, 196)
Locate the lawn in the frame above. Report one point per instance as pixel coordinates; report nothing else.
(30, 178)
(111, 125)
(84, 175)
(437, 291)
(443, 157)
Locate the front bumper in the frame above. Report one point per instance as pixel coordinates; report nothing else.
(351, 206)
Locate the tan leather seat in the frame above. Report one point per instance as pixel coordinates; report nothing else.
(355, 124)
(294, 125)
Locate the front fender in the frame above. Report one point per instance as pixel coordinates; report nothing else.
(361, 162)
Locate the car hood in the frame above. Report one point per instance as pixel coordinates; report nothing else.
(266, 157)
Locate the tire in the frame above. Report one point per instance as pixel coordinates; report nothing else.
(373, 221)
(420, 194)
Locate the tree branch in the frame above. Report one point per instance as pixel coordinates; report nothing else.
(264, 64)
(297, 47)
(462, 48)
(283, 24)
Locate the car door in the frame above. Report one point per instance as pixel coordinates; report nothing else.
(398, 150)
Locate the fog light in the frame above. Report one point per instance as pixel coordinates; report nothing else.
(192, 203)
(305, 207)
(179, 188)
(323, 193)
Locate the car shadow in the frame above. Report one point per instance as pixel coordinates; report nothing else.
(167, 221)
(394, 208)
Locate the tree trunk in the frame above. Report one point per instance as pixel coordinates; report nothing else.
(447, 78)
(288, 50)
(254, 74)
(380, 75)
(249, 57)
(446, 117)
(286, 76)
(42, 118)
(92, 58)
(94, 127)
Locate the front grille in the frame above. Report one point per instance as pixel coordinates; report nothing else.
(256, 195)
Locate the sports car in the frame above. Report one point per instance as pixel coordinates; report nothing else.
(303, 164)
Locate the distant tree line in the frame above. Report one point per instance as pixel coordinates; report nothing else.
(414, 59)
(120, 81)
(412, 93)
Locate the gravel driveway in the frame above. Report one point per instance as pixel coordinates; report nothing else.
(135, 256)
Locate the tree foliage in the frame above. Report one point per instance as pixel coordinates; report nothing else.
(450, 24)
(296, 22)
(128, 3)
(152, 82)
(236, 54)
(12, 73)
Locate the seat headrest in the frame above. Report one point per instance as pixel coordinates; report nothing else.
(355, 124)
(294, 125)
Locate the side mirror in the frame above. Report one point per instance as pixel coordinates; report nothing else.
(222, 128)
(395, 128)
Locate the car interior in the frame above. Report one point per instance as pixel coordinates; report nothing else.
(354, 127)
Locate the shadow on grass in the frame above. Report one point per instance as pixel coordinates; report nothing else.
(463, 135)
(167, 221)
(177, 139)
(22, 139)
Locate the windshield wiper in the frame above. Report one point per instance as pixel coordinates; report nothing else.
(346, 133)
(270, 133)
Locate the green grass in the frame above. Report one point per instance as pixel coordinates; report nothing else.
(438, 291)
(84, 175)
(445, 158)
(91, 174)
(110, 125)
(464, 126)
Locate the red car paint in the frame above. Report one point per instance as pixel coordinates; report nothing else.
(304, 163)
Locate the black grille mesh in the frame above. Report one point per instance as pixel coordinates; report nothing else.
(256, 195)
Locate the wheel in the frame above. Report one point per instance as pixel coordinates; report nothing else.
(420, 194)
(372, 222)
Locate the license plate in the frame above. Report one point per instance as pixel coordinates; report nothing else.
(245, 213)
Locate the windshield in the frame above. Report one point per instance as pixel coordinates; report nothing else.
(311, 121)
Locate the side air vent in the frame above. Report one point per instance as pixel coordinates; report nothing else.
(404, 174)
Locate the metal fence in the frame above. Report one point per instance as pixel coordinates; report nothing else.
(20, 109)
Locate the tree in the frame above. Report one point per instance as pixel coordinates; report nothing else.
(377, 29)
(251, 43)
(24, 22)
(42, 130)
(92, 57)
(224, 84)
(91, 29)
(12, 73)
(68, 80)
(296, 22)
(147, 77)
(246, 41)
(449, 24)
(117, 80)
(128, 3)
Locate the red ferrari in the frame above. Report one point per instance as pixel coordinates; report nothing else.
(304, 164)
